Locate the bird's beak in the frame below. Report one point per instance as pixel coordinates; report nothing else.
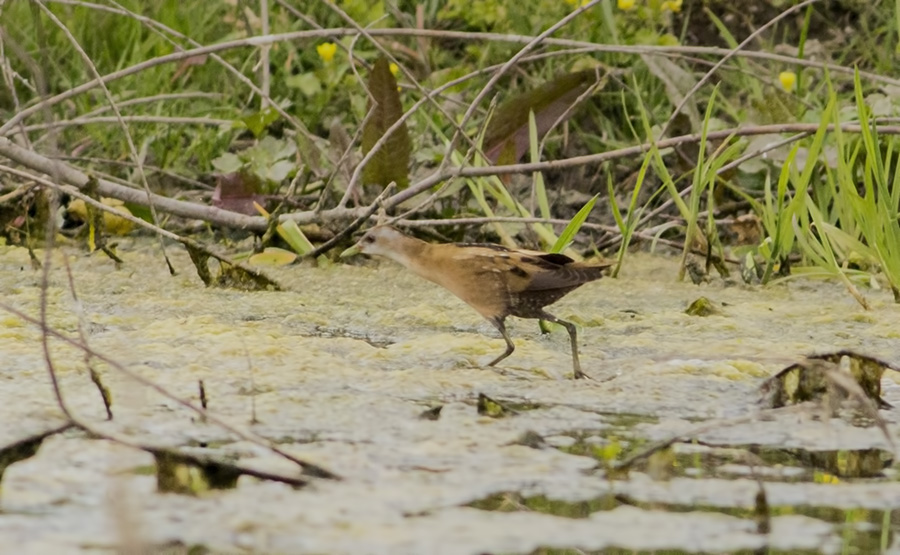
(352, 251)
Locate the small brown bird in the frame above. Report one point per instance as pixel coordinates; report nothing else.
(494, 280)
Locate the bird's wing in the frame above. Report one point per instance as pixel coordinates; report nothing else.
(488, 248)
(569, 275)
(523, 270)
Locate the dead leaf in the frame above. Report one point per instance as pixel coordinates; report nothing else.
(506, 138)
(391, 162)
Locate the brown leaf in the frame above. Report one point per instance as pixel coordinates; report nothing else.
(186, 64)
(237, 191)
(391, 162)
(506, 138)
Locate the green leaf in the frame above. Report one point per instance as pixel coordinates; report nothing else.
(276, 149)
(227, 163)
(307, 83)
(628, 224)
(540, 191)
(280, 170)
(391, 162)
(293, 236)
(565, 238)
(273, 256)
(258, 122)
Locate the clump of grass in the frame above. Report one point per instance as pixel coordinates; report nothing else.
(863, 193)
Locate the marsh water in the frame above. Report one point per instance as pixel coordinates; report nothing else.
(375, 375)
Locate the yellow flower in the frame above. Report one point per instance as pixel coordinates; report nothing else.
(788, 80)
(326, 51)
(671, 5)
(395, 69)
(625, 5)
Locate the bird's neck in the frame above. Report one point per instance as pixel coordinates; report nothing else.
(411, 253)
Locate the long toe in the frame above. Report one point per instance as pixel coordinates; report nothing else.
(499, 358)
(579, 375)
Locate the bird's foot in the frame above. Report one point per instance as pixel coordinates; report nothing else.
(579, 375)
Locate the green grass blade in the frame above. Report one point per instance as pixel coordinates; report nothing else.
(565, 238)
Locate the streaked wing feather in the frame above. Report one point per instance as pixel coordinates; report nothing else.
(564, 277)
(525, 270)
(490, 266)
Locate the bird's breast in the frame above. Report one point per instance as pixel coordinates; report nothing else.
(479, 283)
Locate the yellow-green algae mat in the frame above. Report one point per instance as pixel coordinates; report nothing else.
(376, 376)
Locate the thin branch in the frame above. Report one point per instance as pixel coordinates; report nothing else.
(627, 152)
(155, 98)
(162, 120)
(459, 35)
(225, 218)
(650, 234)
(733, 52)
(354, 225)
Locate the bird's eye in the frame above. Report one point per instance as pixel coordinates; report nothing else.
(368, 239)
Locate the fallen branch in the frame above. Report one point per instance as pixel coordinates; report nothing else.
(225, 218)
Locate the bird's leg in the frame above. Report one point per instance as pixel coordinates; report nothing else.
(509, 344)
(570, 327)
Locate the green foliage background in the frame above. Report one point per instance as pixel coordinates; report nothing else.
(220, 124)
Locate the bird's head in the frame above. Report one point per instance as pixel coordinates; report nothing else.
(381, 241)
